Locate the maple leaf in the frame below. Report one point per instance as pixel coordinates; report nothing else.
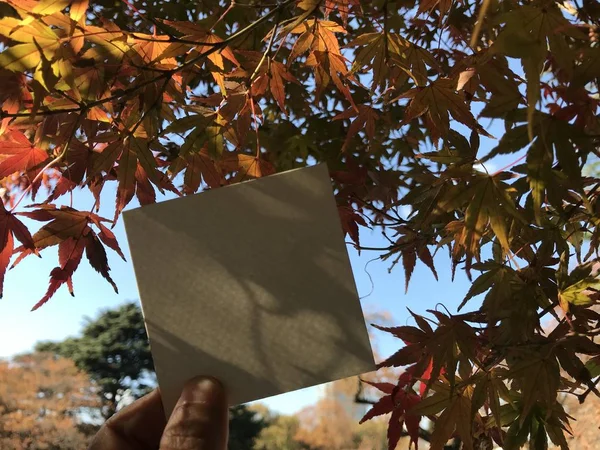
(538, 375)
(528, 32)
(107, 236)
(96, 255)
(425, 379)
(425, 346)
(35, 41)
(578, 287)
(350, 220)
(488, 201)
(409, 246)
(443, 6)
(105, 159)
(384, 53)
(199, 166)
(10, 228)
(398, 402)
(48, 7)
(77, 161)
(64, 223)
(200, 135)
(246, 166)
(19, 31)
(195, 32)
(455, 416)
(412, 58)
(364, 119)
(493, 274)
(136, 169)
(110, 43)
(88, 82)
(128, 163)
(553, 139)
(144, 191)
(409, 261)
(263, 72)
(21, 156)
(71, 231)
(373, 54)
(589, 69)
(70, 252)
(23, 57)
(343, 7)
(437, 102)
(153, 48)
(330, 67)
(277, 74)
(325, 56)
(78, 9)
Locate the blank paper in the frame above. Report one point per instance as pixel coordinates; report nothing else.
(249, 283)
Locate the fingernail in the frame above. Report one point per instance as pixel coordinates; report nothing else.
(202, 389)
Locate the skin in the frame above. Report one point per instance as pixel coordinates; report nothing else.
(198, 422)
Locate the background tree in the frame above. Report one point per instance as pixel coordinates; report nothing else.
(245, 425)
(333, 421)
(326, 425)
(42, 400)
(280, 433)
(113, 350)
(392, 96)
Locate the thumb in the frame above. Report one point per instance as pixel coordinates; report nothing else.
(200, 418)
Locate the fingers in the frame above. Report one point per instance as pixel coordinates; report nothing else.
(200, 418)
(199, 422)
(138, 426)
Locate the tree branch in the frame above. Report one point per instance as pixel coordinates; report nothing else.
(167, 74)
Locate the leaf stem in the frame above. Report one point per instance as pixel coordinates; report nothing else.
(508, 166)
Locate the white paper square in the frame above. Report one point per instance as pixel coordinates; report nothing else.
(249, 283)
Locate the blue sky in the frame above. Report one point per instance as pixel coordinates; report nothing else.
(64, 315)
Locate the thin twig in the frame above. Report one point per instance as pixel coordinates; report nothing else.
(175, 39)
(266, 52)
(229, 8)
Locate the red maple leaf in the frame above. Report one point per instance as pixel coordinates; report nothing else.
(10, 228)
(398, 401)
(350, 221)
(71, 231)
(22, 156)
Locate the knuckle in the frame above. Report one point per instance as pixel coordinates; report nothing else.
(190, 427)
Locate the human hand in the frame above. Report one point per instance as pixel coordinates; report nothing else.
(198, 422)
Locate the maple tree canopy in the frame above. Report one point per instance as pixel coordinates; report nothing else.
(182, 96)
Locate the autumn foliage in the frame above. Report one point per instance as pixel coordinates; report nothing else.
(42, 399)
(397, 98)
